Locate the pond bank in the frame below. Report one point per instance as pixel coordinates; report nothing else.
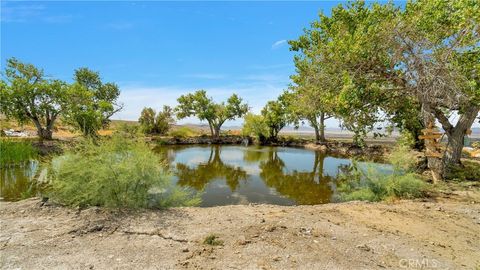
(405, 234)
(329, 147)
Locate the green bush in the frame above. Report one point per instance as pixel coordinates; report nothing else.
(183, 132)
(374, 185)
(115, 173)
(407, 186)
(16, 152)
(468, 171)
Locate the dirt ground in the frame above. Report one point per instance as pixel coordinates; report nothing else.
(434, 234)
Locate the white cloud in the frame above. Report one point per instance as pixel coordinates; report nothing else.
(21, 13)
(279, 43)
(135, 98)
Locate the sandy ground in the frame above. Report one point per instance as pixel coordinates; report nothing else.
(442, 234)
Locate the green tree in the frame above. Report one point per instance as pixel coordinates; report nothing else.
(312, 95)
(275, 116)
(147, 120)
(255, 126)
(435, 46)
(415, 65)
(198, 104)
(26, 95)
(164, 120)
(92, 102)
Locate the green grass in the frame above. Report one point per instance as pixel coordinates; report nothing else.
(372, 185)
(116, 172)
(468, 171)
(183, 132)
(14, 152)
(212, 240)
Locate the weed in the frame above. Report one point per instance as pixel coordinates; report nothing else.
(212, 240)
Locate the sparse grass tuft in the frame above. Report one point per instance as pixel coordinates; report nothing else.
(212, 240)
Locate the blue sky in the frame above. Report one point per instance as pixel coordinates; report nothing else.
(156, 51)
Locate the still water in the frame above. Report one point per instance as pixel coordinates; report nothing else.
(227, 175)
(241, 175)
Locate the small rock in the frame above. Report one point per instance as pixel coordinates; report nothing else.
(110, 256)
(334, 238)
(278, 258)
(262, 221)
(185, 250)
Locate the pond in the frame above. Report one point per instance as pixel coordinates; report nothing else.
(227, 175)
(241, 175)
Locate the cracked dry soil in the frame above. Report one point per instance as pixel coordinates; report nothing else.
(356, 235)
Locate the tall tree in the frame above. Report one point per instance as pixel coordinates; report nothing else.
(435, 46)
(312, 95)
(26, 95)
(417, 63)
(147, 120)
(198, 104)
(275, 116)
(92, 102)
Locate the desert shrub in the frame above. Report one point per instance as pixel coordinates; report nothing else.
(183, 132)
(118, 173)
(467, 171)
(16, 152)
(127, 130)
(402, 159)
(212, 240)
(371, 184)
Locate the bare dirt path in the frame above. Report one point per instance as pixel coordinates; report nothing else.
(357, 235)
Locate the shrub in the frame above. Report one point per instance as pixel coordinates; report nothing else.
(127, 130)
(468, 171)
(16, 152)
(183, 132)
(373, 185)
(212, 240)
(402, 159)
(115, 173)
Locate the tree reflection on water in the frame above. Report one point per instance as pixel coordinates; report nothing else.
(302, 187)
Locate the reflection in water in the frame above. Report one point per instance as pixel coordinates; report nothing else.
(214, 168)
(239, 175)
(16, 182)
(303, 187)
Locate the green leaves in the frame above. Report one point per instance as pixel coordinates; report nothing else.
(198, 104)
(91, 102)
(152, 123)
(26, 95)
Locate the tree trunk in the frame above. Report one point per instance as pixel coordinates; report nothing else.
(456, 136)
(216, 134)
(43, 133)
(322, 128)
(211, 129)
(317, 133)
